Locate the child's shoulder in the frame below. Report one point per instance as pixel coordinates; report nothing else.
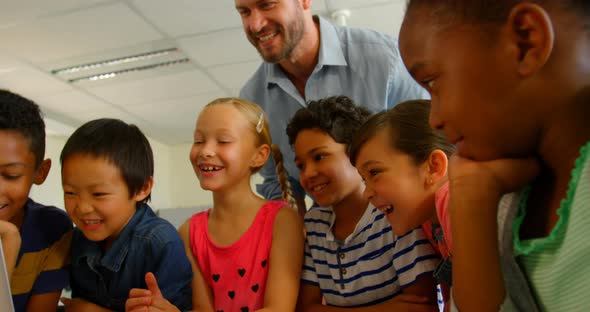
(154, 228)
(45, 222)
(317, 212)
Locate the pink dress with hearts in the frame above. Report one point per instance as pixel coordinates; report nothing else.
(237, 273)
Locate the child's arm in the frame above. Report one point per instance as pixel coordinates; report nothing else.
(310, 300)
(11, 242)
(286, 258)
(202, 294)
(475, 191)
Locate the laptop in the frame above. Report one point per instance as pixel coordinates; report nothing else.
(5, 296)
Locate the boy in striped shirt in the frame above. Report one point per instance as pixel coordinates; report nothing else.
(352, 258)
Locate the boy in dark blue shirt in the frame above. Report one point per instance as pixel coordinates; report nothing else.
(35, 238)
(107, 177)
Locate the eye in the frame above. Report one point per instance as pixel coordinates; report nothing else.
(374, 172)
(99, 194)
(429, 84)
(243, 12)
(69, 193)
(267, 5)
(299, 166)
(12, 177)
(318, 157)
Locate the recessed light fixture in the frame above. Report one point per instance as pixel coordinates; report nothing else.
(115, 61)
(127, 71)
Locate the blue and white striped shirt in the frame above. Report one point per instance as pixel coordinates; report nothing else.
(370, 266)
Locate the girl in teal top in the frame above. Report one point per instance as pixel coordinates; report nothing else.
(510, 86)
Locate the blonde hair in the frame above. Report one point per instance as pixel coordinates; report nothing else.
(259, 125)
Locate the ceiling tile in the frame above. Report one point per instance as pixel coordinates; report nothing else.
(156, 88)
(183, 17)
(234, 76)
(30, 82)
(15, 12)
(221, 47)
(81, 32)
(72, 102)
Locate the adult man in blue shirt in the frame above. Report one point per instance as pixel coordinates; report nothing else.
(306, 58)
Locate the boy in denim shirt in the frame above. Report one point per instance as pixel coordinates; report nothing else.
(107, 177)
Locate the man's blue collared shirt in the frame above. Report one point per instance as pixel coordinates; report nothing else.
(362, 64)
(146, 244)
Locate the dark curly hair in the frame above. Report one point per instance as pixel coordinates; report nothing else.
(23, 116)
(122, 144)
(409, 132)
(338, 116)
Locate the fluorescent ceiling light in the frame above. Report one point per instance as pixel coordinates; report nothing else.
(114, 62)
(127, 71)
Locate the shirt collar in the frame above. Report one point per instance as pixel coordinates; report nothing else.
(330, 53)
(115, 255)
(361, 224)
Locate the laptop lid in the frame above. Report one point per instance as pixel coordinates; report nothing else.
(5, 296)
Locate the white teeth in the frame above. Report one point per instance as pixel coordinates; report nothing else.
(319, 187)
(92, 222)
(265, 38)
(210, 168)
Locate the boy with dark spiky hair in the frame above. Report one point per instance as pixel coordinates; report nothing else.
(35, 238)
(107, 178)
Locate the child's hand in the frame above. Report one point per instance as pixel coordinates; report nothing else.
(148, 300)
(78, 304)
(491, 178)
(409, 302)
(11, 242)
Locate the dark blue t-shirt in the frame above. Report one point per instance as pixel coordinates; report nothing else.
(44, 253)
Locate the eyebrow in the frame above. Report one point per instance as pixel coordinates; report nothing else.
(369, 162)
(14, 164)
(313, 150)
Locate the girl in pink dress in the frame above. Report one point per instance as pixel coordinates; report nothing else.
(246, 252)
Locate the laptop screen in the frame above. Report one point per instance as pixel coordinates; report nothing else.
(5, 296)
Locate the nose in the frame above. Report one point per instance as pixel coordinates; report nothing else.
(434, 119)
(83, 206)
(308, 172)
(256, 21)
(368, 193)
(207, 150)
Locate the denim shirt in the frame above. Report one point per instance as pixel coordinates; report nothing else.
(146, 244)
(362, 64)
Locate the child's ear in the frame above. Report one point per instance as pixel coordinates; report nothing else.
(531, 36)
(145, 190)
(42, 171)
(438, 164)
(261, 156)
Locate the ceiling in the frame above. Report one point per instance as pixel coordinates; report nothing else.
(40, 36)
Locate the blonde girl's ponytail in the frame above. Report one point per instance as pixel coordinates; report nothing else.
(282, 174)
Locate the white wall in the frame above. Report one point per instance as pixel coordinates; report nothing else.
(186, 190)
